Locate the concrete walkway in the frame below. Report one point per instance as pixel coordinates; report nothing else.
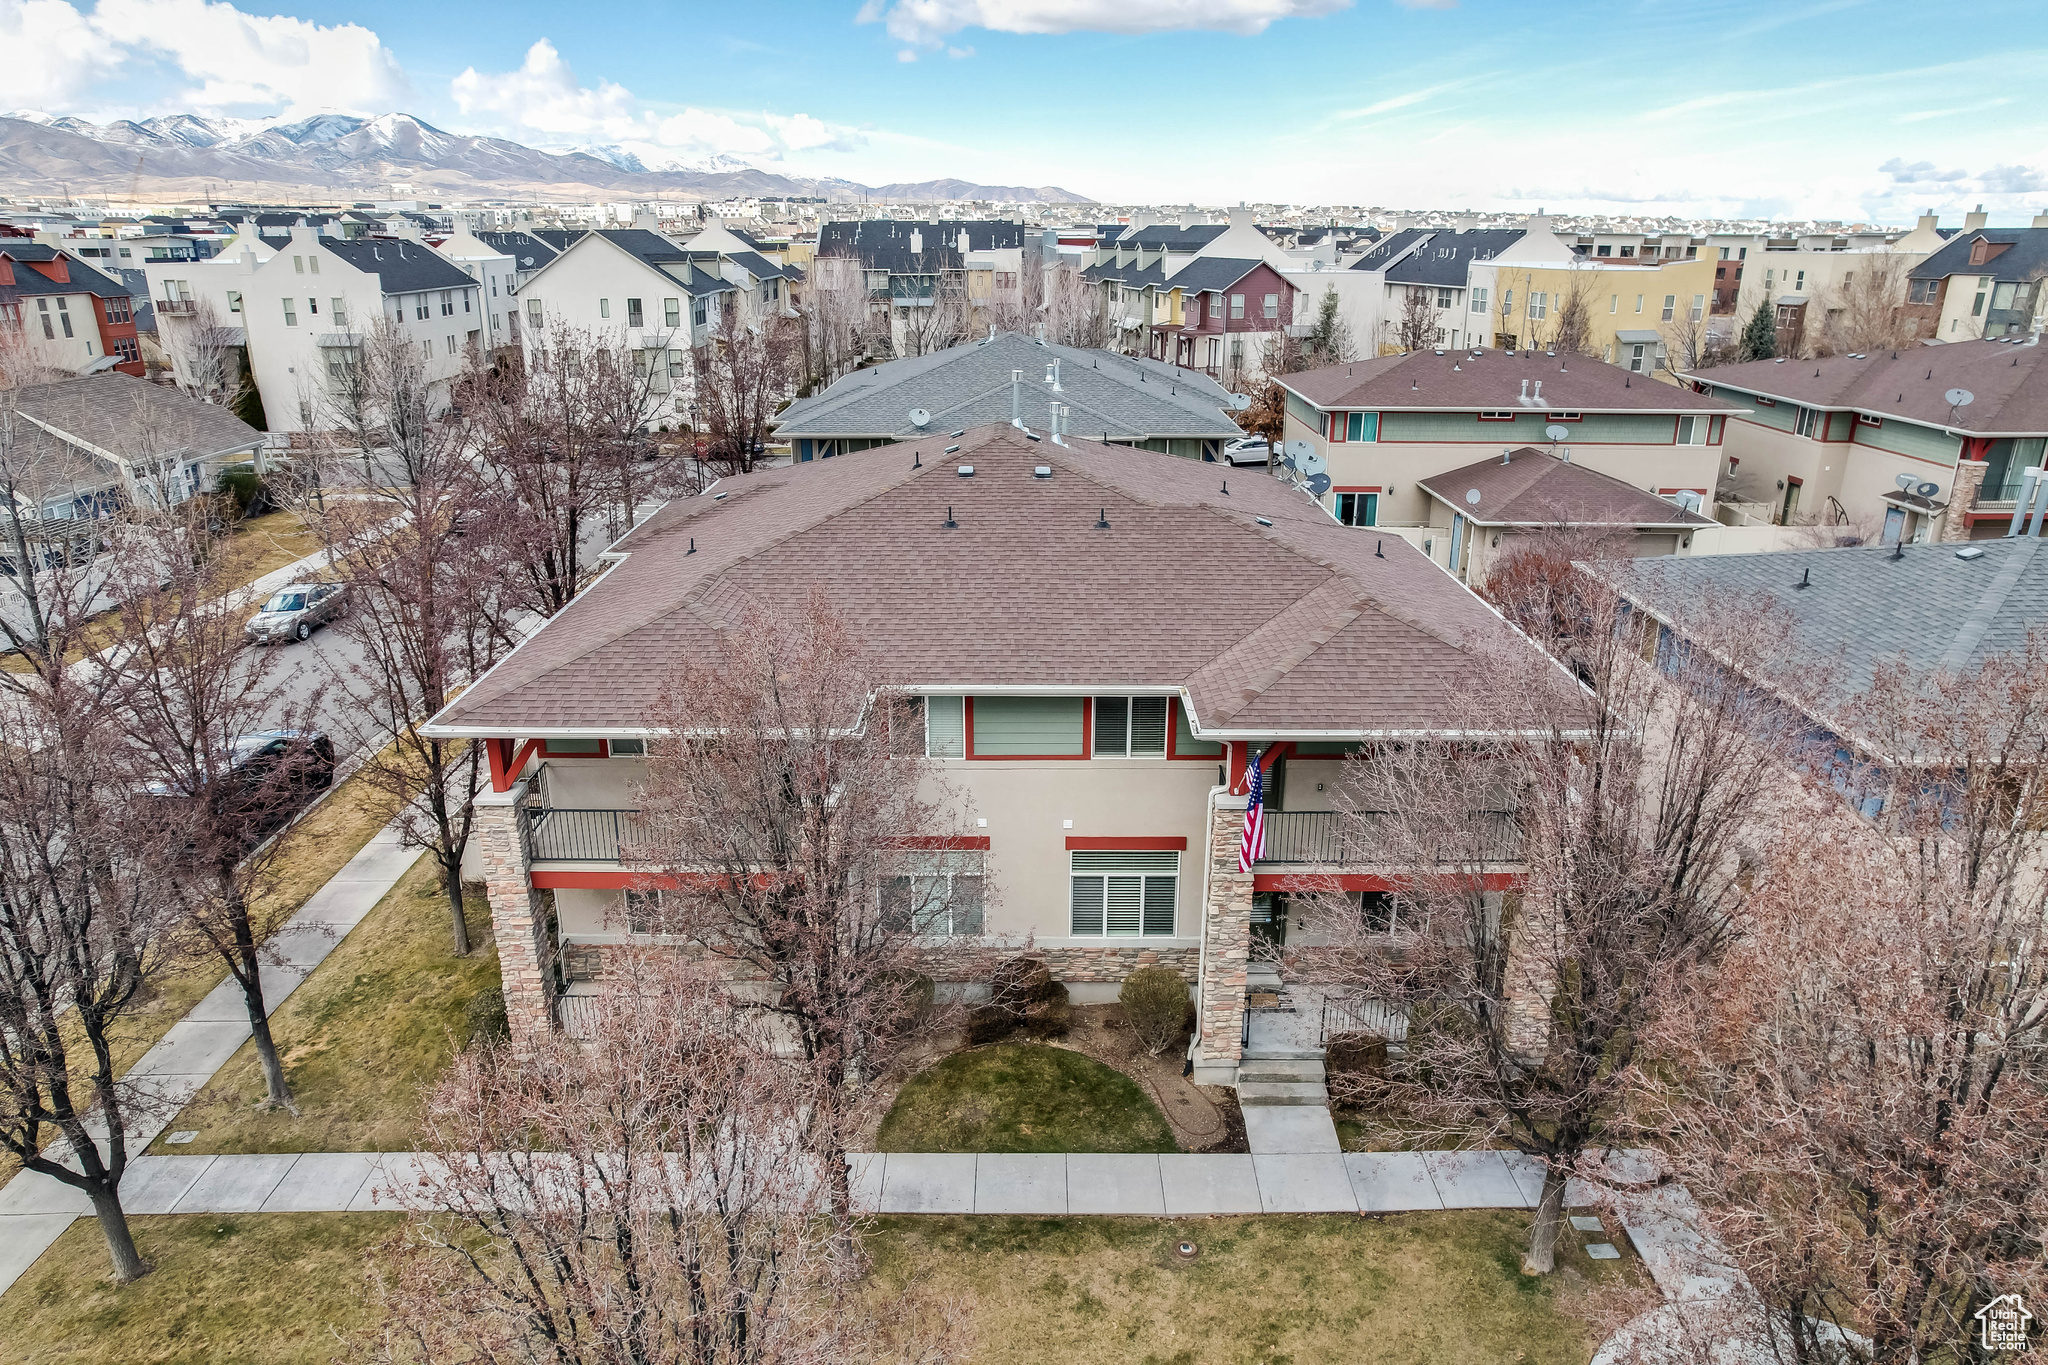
(34, 1208)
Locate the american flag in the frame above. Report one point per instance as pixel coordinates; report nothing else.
(1254, 821)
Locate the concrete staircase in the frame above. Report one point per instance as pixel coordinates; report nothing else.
(1281, 1080)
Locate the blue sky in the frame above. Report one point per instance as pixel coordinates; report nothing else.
(1833, 108)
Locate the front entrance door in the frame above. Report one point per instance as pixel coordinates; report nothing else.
(1269, 920)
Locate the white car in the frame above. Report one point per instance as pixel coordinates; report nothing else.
(1248, 450)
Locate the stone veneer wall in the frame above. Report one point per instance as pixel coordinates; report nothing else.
(1226, 945)
(525, 951)
(586, 961)
(1955, 523)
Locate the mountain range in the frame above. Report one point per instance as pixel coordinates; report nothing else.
(184, 157)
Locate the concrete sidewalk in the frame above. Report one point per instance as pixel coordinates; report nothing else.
(34, 1208)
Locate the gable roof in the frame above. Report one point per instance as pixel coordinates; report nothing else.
(1446, 257)
(1173, 237)
(1388, 248)
(1492, 381)
(968, 385)
(1535, 488)
(1211, 272)
(81, 278)
(2007, 380)
(1268, 616)
(401, 267)
(527, 250)
(118, 415)
(676, 264)
(2025, 255)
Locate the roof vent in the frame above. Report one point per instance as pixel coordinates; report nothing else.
(1043, 471)
(966, 471)
(1779, 361)
(716, 496)
(1970, 552)
(1262, 521)
(1031, 436)
(953, 450)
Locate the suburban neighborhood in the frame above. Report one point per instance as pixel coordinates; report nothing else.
(651, 711)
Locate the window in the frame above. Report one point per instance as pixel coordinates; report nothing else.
(426, 350)
(937, 893)
(420, 309)
(313, 307)
(625, 748)
(1923, 291)
(1507, 302)
(313, 264)
(1635, 357)
(1614, 303)
(1639, 303)
(234, 300)
(340, 312)
(298, 265)
(1123, 894)
(672, 312)
(1362, 426)
(291, 317)
(1358, 509)
(1445, 298)
(697, 313)
(1724, 253)
(1539, 305)
(1628, 251)
(1130, 727)
(635, 317)
(1804, 422)
(1799, 282)
(1976, 309)
(604, 308)
(467, 299)
(1864, 419)
(533, 311)
(1604, 249)
(945, 729)
(1670, 308)
(675, 364)
(1237, 305)
(1479, 300)
(1692, 431)
(1027, 727)
(1561, 416)
(447, 303)
(639, 364)
(1496, 417)
(1699, 307)
(1272, 305)
(643, 911)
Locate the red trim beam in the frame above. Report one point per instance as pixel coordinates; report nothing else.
(1350, 881)
(1143, 843)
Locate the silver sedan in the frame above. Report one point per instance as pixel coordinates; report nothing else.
(292, 613)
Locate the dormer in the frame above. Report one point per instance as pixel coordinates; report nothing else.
(1982, 250)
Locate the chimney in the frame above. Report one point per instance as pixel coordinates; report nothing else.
(1928, 222)
(1241, 216)
(2040, 220)
(1974, 221)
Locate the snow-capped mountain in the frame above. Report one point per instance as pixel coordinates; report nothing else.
(186, 156)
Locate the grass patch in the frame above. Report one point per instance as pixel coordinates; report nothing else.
(1023, 1097)
(270, 1288)
(1408, 1288)
(373, 1025)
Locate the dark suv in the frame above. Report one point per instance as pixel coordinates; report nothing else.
(271, 776)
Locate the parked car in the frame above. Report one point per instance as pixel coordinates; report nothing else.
(1248, 450)
(292, 613)
(271, 776)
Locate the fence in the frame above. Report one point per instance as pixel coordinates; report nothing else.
(1331, 838)
(565, 834)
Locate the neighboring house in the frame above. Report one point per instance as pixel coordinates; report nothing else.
(1104, 752)
(1118, 399)
(84, 448)
(1384, 424)
(1480, 509)
(60, 315)
(928, 285)
(526, 250)
(301, 311)
(1199, 296)
(496, 272)
(637, 288)
(1986, 282)
(1875, 437)
(1632, 309)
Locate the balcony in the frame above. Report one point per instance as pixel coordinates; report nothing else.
(175, 307)
(561, 834)
(1330, 839)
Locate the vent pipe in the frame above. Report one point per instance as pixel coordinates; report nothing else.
(2041, 503)
(1525, 390)
(1539, 391)
(1017, 399)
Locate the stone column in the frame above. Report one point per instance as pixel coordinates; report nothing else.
(525, 957)
(1226, 946)
(1955, 523)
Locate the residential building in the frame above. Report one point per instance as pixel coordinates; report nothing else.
(639, 289)
(1985, 282)
(1806, 278)
(1876, 438)
(297, 308)
(1631, 308)
(1117, 399)
(1381, 426)
(60, 316)
(496, 272)
(1478, 511)
(928, 285)
(1208, 296)
(1102, 754)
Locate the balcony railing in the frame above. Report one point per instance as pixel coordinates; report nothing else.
(175, 305)
(566, 835)
(1333, 839)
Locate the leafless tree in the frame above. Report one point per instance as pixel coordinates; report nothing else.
(21, 364)
(743, 375)
(1073, 309)
(52, 582)
(1504, 310)
(1414, 327)
(1865, 310)
(1688, 345)
(834, 315)
(640, 1195)
(188, 693)
(84, 920)
(429, 610)
(1573, 331)
(930, 304)
(1857, 1096)
(800, 835)
(208, 355)
(1564, 875)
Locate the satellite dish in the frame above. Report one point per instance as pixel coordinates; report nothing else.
(1472, 496)
(1960, 398)
(1903, 481)
(1556, 433)
(1294, 452)
(1240, 401)
(1319, 484)
(1314, 464)
(920, 418)
(1928, 490)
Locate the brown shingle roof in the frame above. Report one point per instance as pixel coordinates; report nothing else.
(1299, 626)
(1535, 488)
(2008, 383)
(132, 418)
(1493, 381)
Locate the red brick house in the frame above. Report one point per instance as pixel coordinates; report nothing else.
(64, 316)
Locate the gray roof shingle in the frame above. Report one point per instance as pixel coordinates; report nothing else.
(400, 267)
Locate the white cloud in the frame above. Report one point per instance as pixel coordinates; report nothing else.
(227, 59)
(543, 96)
(930, 21)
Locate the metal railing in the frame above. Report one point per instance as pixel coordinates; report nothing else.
(175, 305)
(567, 835)
(1333, 838)
(1355, 1014)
